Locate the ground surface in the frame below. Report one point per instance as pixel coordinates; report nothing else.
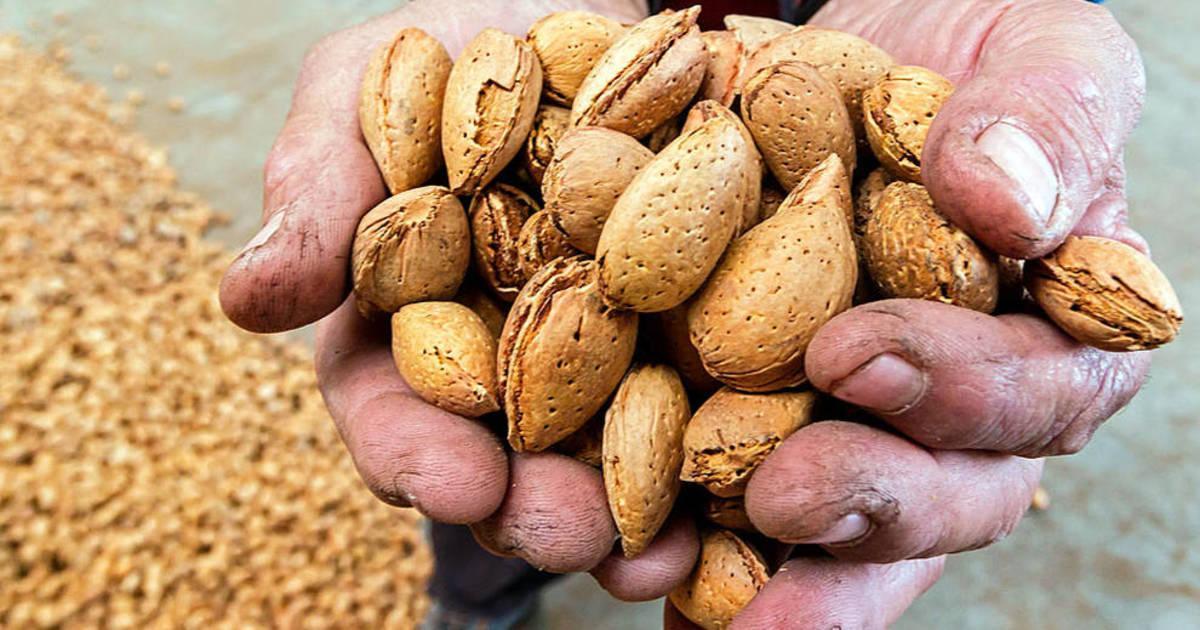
(1116, 548)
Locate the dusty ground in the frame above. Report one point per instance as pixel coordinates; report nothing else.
(1115, 550)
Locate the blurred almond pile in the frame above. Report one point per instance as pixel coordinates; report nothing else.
(158, 467)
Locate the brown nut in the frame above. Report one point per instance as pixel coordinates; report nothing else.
(498, 213)
(646, 78)
(728, 575)
(733, 432)
(724, 53)
(400, 108)
(539, 243)
(562, 352)
(447, 355)
(914, 252)
(898, 111)
(491, 100)
(778, 284)
(669, 339)
(670, 226)
(413, 247)
(587, 444)
(664, 134)
(1105, 294)
(592, 166)
(568, 44)
(484, 304)
(549, 125)
(643, 452)
(727, 512)
(751, 205)
(798, 119)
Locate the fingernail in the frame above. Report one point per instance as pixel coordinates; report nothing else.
(887, 384)
(265, 233)
(849, 527)
(1020, 156)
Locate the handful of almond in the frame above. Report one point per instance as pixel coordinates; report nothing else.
(588, 236)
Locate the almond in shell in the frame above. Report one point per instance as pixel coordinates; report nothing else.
(562, 353)
(484, 304)
(549, 125)
(498, 213)
(727, 512)
(724, 53)
(751, 205)
(898, 111)
(587, 444)
(539, 243)
(663, 134)
(446, 353)
(568, 44)
(727, 576)
(668, 339)
(754, 31)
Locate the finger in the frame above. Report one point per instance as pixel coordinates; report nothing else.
(654, 573)
(867, 495)
(554, 517)
(827, 593)
(952, 378)
(408, 452)
(1024, 146)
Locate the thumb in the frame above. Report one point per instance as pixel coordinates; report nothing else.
(1026, 144)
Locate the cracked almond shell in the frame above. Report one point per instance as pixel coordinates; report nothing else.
(914, 252)
(415, 246)
(1105, 294)
(727, 512)
(447, 355)
(548, 127)
(898, 111)
(562, 353)
(724, 53)
(733, 432)
(647, 77)
(592, 166)
(728, 574)
(670, 226)
(797, 118)
(539, 243)
(568, 44)
(400, 108)
(751, 206)
(491, 100)
(754, 31)
(777, 285)
(498, 213)
(643, 452)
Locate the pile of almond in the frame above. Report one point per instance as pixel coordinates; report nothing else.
(555, 195)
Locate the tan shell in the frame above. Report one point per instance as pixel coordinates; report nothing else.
(798, 119)
(728, 575)
(709, 109)
(483, 303)
(728, 512)
(733, 432)
(400, 108)
(664, 134)
(646, 78)
(541, 242)
(724, 53)
(672, 223)
(898, 111)
(866, 199)
(754, 31)
(549, 125)
(852, 63)
(587, 444)
(778, 284)
(1105, 294)
(447, 355)
(643, 452)
(668, 336)
(562, 352)
(591, 168)
(568, 44)
(498, 213)
(412, 247)
(491, 100)
(914, 252)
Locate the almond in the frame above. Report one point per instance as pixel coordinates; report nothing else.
(568, 44)
(898, 111)
(498, 213)
(549, 125)
(751, 205)
(724, 53)
(447, 355)
(727, 576)
(491, 310)
(727, 512)
(664, 134)
(586, 444)
(754, 31)
(668, 338)
(539, 243)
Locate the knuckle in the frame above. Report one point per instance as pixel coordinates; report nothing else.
(1105, 384)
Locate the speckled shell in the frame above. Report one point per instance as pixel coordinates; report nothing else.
(727, 576)
(798, 119)
(727, 512)
(541, 242)
(447, 355)
(498, 213)
(668, 336)
(754, 31)
(670, 226)
(484, 304)
(413, 247)
(1105, 294)
(491, 100)
(568, 44)
(898, 111)
(400, 108)
(724, 53)
(733, 432)
(592, 166)
(751, 205)
(562, 352)
(914, 252)
(549, 125)
(643, 452)
(647, 77)
(778, 284)
(852, 63)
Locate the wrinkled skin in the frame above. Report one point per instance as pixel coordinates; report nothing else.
(975, 399)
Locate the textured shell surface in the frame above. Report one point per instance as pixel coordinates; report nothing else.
(498, 213)
(568, 45)
(898, 111)
(727, 576)
(447, 354)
